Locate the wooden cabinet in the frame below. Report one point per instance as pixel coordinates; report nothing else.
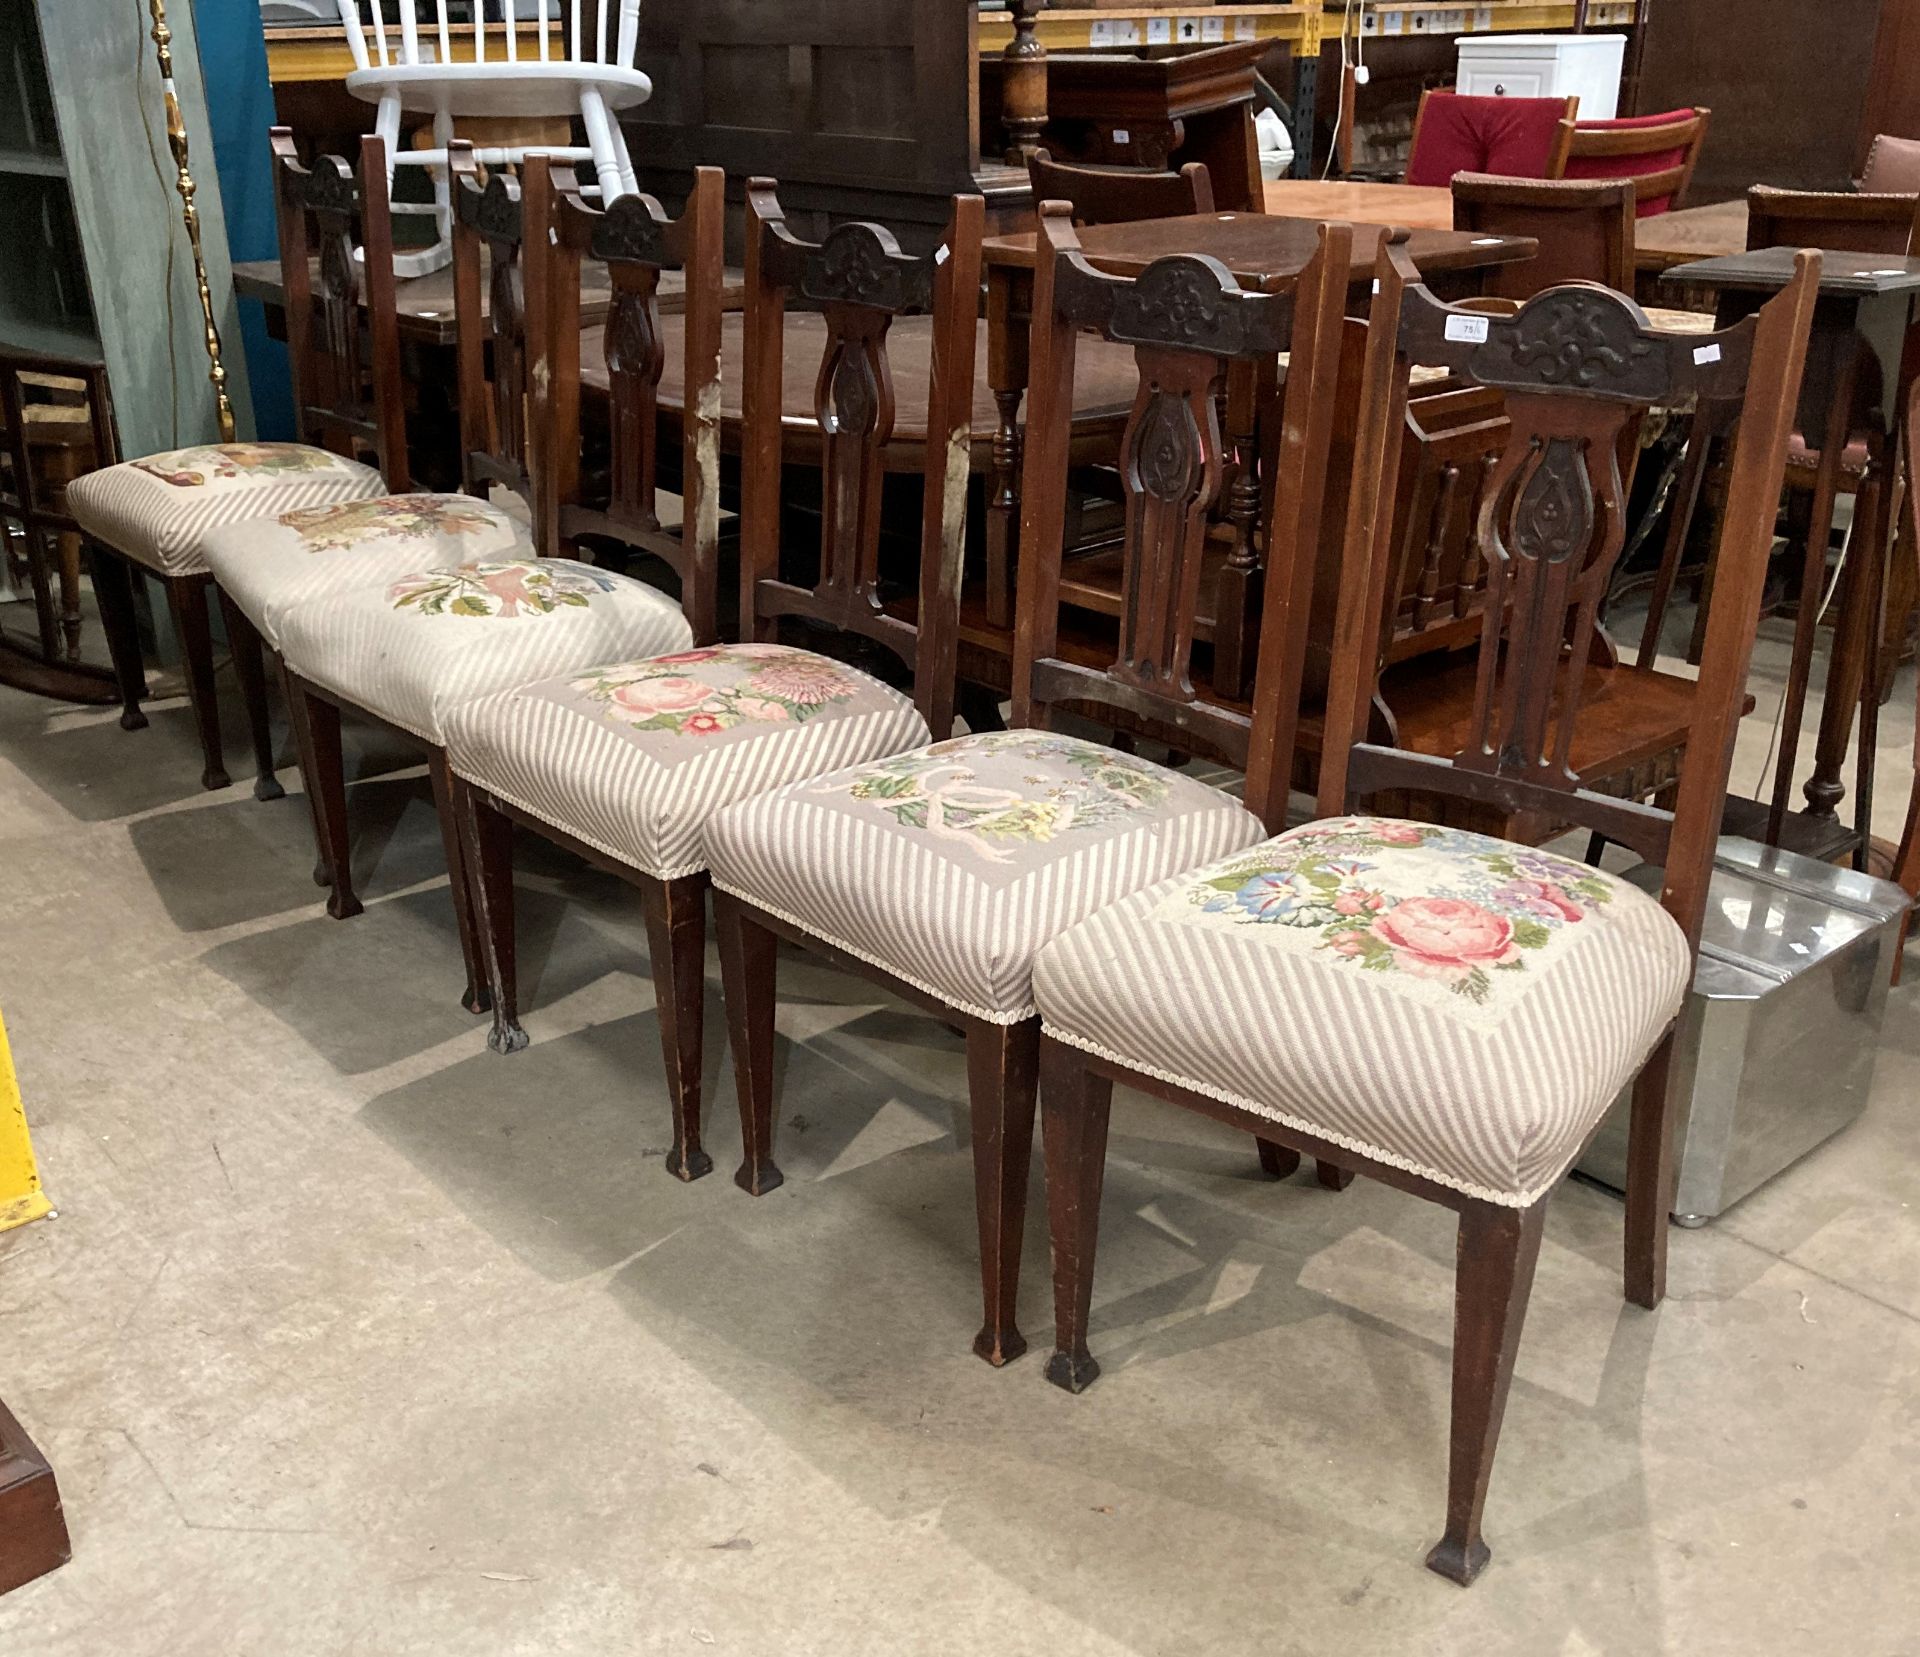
(98, 267)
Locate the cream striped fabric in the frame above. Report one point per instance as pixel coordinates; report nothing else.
(1452, 1005)
(157, 511)
(950, 866)
(633, 759)
(268, 565)
(412, 649)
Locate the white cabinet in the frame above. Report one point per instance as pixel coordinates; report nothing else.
(1545, 66)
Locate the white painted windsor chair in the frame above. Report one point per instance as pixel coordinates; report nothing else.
(407, 66)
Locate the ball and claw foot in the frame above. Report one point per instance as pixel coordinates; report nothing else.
(1070, 1373)
(688, 1165)
(757, 1182)
(1459, 1562)
(267, 786)
(999, 1347)
(506, 1038)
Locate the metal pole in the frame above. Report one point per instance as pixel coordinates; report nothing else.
(177, 142)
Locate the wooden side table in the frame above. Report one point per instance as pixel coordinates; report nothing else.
(1862, 364)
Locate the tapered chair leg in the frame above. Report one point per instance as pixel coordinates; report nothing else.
(748, 964)
(327, 788)
(1332, 1176)
(1277, 1161)
(1650, 1180)
(486, 836)
(477, 997)
(249, 667)
(1497, 1251)
(1074, 1106)
(677, 941)
(1003, 1063)
(113, 592)
(187, 599)
(296, 702)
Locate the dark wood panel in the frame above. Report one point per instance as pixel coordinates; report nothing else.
(1893, 94)
(1750, 65)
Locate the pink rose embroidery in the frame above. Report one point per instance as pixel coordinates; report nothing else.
(643, 698)
(1447, 934)
(760, 707)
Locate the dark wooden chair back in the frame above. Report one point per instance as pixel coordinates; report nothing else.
(1579, 367)
(1584, 228)
(1190, 325)
(859, 281)
(1833, 221)
(492, 351)
(342, 400)
(1120, 195)
(1658, 152)
(1893, 166)
(636, 241)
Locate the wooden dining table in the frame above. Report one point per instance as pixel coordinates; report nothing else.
(1261, 250)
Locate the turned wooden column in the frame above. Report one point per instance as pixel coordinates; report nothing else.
(1024, 106)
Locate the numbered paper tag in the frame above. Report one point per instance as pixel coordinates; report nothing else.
(941, 254)
(1467, 330)
(1705, 354)
(1122, 136)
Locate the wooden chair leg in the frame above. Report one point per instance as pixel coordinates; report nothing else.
(486, 837)
(70, 617)
(1277, 1161)
(677, 941)
(327, 788)
(1002, 1080)
(1497, 1251)
(187, 599)
(748, 964)
(1074, 1107)
(296, 703)
(1332, 1176)
(249, 667)
(1651, 1167)
(113, 592)
(477, 998)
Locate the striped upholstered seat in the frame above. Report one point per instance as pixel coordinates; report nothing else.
(950, 866)
(632, 759)
(1457, 1006)
(159, 510)
(269, 565)
(410, 650)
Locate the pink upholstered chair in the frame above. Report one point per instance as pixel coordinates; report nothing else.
(1657, 152)
(1513, 137)
(1893, 166)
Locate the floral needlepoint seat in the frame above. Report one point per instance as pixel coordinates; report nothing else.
(410, 649)
(269, 565)
(158, 511)
(632, 759)
(1455, 1005)
(950, 866)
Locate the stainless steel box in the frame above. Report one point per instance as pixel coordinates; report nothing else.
(1780, 1035)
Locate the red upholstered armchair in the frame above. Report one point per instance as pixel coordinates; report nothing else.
(1514, 137)
(1656, 151)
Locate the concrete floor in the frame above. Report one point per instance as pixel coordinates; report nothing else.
(351, 1337)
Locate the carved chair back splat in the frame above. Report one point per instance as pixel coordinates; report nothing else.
(636, 241)
(342, 400)
(1579, 365)
(1191, 325)
(492, 352)
(859, 280)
